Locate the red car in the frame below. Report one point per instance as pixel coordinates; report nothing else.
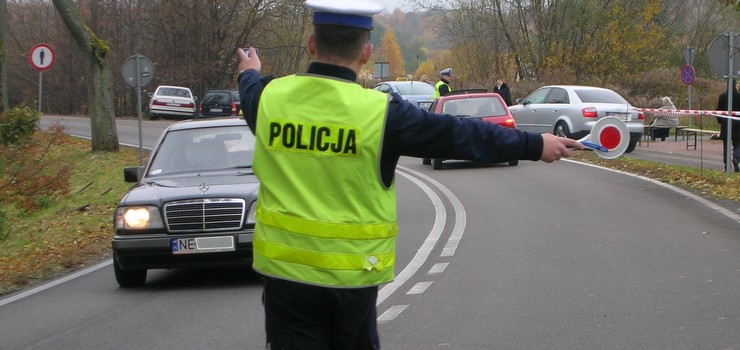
(487, 106)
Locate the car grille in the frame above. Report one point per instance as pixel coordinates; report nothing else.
(215, 214)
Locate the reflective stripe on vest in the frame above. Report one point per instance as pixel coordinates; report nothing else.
(317, 138)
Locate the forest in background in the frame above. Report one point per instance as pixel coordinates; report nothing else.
(632, 46)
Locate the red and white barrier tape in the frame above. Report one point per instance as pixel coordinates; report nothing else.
(734, 115)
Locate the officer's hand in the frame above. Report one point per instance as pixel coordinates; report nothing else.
(250, 61)
(555, 147)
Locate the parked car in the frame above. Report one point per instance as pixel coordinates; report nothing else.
(419, 93)
(171, 101)
(220, 103)
(192, 205)
(487, 106)
(571, 111)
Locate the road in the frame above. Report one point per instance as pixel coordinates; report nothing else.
(536, 256)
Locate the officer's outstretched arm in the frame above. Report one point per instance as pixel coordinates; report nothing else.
(554, 147)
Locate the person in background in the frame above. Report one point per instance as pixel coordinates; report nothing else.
(325, 243)
(443, 85)
(502, 89)
(664, 121)
(722, 105)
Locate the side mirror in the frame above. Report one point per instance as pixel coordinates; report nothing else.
(132, 173)
(151, 94)
(520, 101)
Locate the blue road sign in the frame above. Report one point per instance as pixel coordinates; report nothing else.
(687, 74)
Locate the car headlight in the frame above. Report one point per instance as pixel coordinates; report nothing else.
(138, 218)
(251, 213)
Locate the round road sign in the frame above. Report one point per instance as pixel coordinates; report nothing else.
(687, 74)
(137, 70)
(41, 57)
(719, 54)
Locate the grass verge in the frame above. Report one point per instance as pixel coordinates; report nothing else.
(65, 232)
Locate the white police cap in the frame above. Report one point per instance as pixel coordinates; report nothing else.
(349, 13)
(446, 71)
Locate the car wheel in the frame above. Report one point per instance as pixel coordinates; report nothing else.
(561, 129)
(128, 278)
(426, 161)
(437, 163)
(631, 147)
(153, 116)
(514, 162)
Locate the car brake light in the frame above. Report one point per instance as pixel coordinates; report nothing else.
(640, 116)
(590, 112)
(159, 103)
(510, 123)
(233, 108)
(189, 105)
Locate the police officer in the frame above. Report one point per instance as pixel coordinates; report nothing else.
(443, 85)
(325, 153)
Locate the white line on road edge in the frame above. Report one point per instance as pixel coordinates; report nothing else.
(55, 282)
(714, 206)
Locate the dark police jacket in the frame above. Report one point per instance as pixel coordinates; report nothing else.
(410, 131)
(722, 106)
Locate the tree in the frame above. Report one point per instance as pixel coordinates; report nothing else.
(390, 52)
(3, 65)
(94, 53)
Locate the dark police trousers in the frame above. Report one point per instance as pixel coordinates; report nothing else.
(306, 317)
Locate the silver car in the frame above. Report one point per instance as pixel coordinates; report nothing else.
(419, 93)
(572, 110)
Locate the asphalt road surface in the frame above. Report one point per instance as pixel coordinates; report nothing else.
(535, 256)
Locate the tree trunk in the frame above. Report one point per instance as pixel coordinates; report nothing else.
(3, 64)
(94, 53)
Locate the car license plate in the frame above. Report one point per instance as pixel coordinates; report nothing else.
(217, 110)
(202, 245)
(173, 104)
(424, 105)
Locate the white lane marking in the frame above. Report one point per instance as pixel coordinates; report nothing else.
(460, 214)
(55, 282)
(419, 288)
(391, 313)
(716, 207)
(426, 248)
(438, 268)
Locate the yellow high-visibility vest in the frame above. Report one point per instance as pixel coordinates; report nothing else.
(324, 216)
(439, 84)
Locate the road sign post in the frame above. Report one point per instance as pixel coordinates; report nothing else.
(41, 58)
(138, 71)
(689, 53)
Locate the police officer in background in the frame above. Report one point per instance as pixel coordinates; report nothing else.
(325, 154)
(443, 85)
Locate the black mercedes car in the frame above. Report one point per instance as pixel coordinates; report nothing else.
(193, 203)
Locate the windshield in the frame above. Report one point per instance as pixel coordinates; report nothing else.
(600, 96)
(420, 88)
(168, 91)
(204, 149)
(475, 107)
(217, 97)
